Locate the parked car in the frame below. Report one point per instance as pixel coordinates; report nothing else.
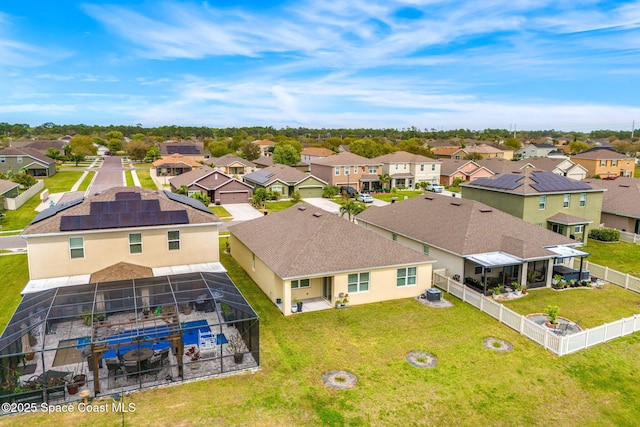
(365, 198)
(351, 192)
(435, 188)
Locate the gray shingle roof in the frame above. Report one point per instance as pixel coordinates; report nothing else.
(530, 183)
(31, 152)
(622, 196)
(463, 227)
(404, 157)
(228, 159)
(283, 173)
(311, 242)
(345, 159)
(601, 153)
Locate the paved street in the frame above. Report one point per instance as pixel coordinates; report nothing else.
(109, 175)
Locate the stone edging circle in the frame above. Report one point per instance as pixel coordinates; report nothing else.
(341, 380)
(422, 359)
(491, 344)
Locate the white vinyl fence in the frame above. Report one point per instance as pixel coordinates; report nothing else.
(15, 203)
(623, 280)
(558, 344)
(625, 236)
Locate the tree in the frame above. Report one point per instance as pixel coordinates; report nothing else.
(578, 146)
(473, 156)
(384, 179)
(184, 190)
(24, 179)
(260, 197)
(250, 150)
(206, 200)
(513, 143)
(77, 158)
(296, 197)
(366, 148)
(351, 208)
(153, 154)
(330, 191)
(54, 154)
(83, 145)
(285, 154)
(137, 150)
(218, 149)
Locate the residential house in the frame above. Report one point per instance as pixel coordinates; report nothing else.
(194, 150)
(286, 180)
(406, 169)
(620, 203)
(472, 242)
(266, 146)
(605, 162)
(42, 145)
(465, 170)
(8, 189)
(29, 160)
(559, 165)
(154, 229)
(232, 165)
(546, 199)
(221, 188)
(485, 151)
(446, 152)
(295, 254)
(502, 166)
(310, 154)
(348, 169)
(535, 150)
(175, 164)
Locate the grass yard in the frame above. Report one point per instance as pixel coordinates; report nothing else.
(636, 173)
(594, 306)
(400, 195)
(621, 256)
(86, 181)
(145, 179)
(14, 274)
(128, 178)
(470, 385)
(221, 213)
(278, 205)
(60, 182)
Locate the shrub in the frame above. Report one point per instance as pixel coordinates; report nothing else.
(604, 234)
(330, 191)
(552, 312)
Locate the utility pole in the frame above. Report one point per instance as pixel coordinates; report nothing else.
(633, 128)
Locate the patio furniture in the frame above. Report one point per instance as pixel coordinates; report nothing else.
(206, 340)
(131, 368)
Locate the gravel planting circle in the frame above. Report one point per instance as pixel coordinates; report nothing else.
(422, 359)
(497, 344)
(341, 380)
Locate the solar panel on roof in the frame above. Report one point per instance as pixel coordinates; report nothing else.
(260, 176)
(504, 182)
(182, 149)
(187, 201)
(128, 195)
(551, 182)
(49, 212)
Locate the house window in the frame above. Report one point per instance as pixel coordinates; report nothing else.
(405, 166)
(457, 157)
(355, 170)
(302, 283)
(277, 188)
(579, 229)
(583, 200)
(406, 276)
(477, 270)
(567, 201)
(614, 163)
(76, 247)
(337, 170)
(425, 249)
(253, 262)
(603, 163)
(422, 168)
(190, 193)
(394, 237)
(396, 166)
(557, 228)
(542, 204)
(3, 159)
(346, 170)
(433, 167)
(19, 159)
(358, 282)
(174, 240)
(135, 243)
(373, 169)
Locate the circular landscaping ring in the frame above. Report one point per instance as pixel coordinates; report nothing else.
(497, 344)
(341, 380)
(422, 359)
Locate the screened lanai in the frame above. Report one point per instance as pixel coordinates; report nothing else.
(129, 334)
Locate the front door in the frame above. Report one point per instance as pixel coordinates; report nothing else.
(326, 288)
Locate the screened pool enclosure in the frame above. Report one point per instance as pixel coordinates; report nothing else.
(108, 337)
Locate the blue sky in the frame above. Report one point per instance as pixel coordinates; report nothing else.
(531, 64)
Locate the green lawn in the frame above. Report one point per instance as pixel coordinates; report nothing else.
(621, 256)
(129, 178)
(636, 173)
(86, 181)
(60, 182)
(399, 194)
(278, 205)
(221, 213)
(593, 306)
(470, 385)
(145, 179)
(14, 274)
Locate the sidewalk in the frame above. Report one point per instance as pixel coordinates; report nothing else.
(55, 198)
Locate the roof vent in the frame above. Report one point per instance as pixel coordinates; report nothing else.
(429, 197)
(456, 203)
(302, 208)
(317, 214)
(486, 210)
(624, 185)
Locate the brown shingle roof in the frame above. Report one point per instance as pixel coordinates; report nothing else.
(279, 172)
(463, 227)
(31, 152)
(404, 157)
(6, 185)
(191, 177)
(227, 159)
(345, 159)
(317, 151)
(502, 166)
(444, 151)
(52, 224)
(601, 153)
(175, 159)
(121, 271)
(622, 196)
(566, 219)
(311, 242)
(482, 149)
(450, 166)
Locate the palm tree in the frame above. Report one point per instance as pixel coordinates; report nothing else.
(351, 208)
(384, 179)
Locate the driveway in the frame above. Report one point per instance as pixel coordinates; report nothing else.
(242, 211)
(109, 175)
(325, 204)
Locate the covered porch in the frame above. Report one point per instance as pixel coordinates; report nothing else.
(563, 262)
(484, 272)
(308, 294)
(369, 182)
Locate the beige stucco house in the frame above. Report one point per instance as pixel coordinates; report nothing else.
(165, 232)
(348, 169)
(305, 253)
(406, 169)
(605, 162)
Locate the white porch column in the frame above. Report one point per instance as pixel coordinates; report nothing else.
(549, 277)
(523, 274)
(286, 298)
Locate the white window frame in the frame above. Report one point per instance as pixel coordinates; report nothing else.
(583, 200)
(542, 203)
(456, 157)
(421, 168)
(19, 159)
(557, 228)
(277, 189)
(355, 170)
(361, 284)
(347, 170)
(406, 276)
(373, 169)
(603, 163)
(425, 249)
(336, 171)
(614, 163)
(300, 283)
(3, 159)
(566, 203)
(433, 167)
(133, 244)
(73, 246)
(173, 240)
(579, 229)
(394, 237)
